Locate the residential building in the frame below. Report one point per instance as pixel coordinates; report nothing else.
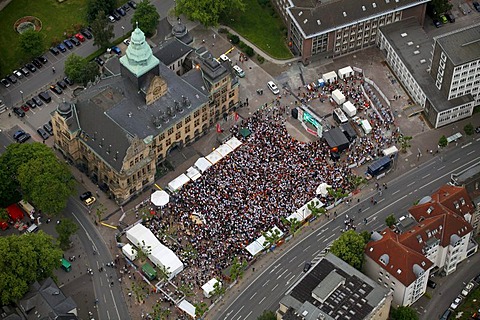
(470, 180)
(445, 81)
(330, 28)
(332, 289)
(120, 129)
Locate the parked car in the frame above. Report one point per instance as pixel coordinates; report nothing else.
(25, 71)
(19, 112)
(132, 4)
(443, 18)
(48, 128)
(43, 59)
(307, 266)
(273, 87)
(84, 196)
(37, 63)
(31, 67)
(25, 107)
(454, 305)
(12, 78)
(55, 88)
(238, 71)
(37, 101)
(121, 12)
(225, 58)
(18, 134)
(30, 104)
(45, 96)
(18, 74)
(99, 61)
(450, 17)
(432, 284)
(75, 41)
(43, 134)
(68, 81)
(54, 51)
(437, 23)
(116, 16)
(476, 5)
(86, 33)
(126, 42)
(126, 7)
(111, 18)
(89, 201)
(446, 315)
(5, 82)
(68, 44)
(116, 50)
(24, 138)
(62, 84)
(61, 47)
(80, 37)
(468, 288)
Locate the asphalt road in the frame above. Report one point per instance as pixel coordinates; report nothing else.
(273, 280)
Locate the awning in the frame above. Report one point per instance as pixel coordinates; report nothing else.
(187, 307)
(214, 157)
(202, 164)
(322, 189)
(245, 132)
(224, 149)
(160, 198)
(193, 173)
(234, 143)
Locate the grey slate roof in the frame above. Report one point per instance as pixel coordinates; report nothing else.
(336, 138)
(211, 68)
(317, 17)
(461, 46)
(171, 50)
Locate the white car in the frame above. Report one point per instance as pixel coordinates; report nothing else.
(467, 289)
(456, 303)
(273, 87)
(239, 71)
(126, 42)
(225, 58)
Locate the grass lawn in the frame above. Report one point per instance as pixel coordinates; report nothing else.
(261, 28)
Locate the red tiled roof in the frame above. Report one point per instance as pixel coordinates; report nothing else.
(454, 198)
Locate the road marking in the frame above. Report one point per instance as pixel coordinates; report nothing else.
(333, 235)
(108, 314)
(306, 248)
(275, 287)
(466, 145)
(262, 300)
(104, 299)
(288, 274)
(115, 304)
(411, 184)
(300, 264)
(237, 312)
(440, 168)
(469, 153)
(395, 192)
(253, 295)
(455, 160)
(279, 270)
(321, 237)
(426, 176)
(266, 283)
(292, 259)
(316, 252)
(248, 315)
(379, 201)
(337, 227)
(282, 274)
(319, 233)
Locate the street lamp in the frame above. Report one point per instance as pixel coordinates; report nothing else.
(123, 29)
(21, 93)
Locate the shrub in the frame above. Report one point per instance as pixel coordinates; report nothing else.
(249, 51)
(234, 38)
(222, 30)
(260, 59)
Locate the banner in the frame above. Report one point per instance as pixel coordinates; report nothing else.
(219, 130)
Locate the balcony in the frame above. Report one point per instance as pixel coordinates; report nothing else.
(472, 247)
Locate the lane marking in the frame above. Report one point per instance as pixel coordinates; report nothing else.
(395, 192)
(466, 145)
(292, 259)
(288, 274)
(262, 300)
(306, 248)
(238, 312)
(266, 283)
(469, 153)
(458, 159)
(333, 235)
(316, 252)
(426, 176)
(253, 295)
(321, 237)
(274, 287)
(411, 184)
(248, 315)
(337, 227)
(300, 264)
(282, 274)
(441, 168)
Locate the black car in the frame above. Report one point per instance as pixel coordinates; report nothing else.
(55, 88)
(24, 138)
(132, 4)
(84, 196)
(45, 96)
(19, 112)
(43, 59)
(62, 84)
(476, 5)
(437, 23)
(307, 266)
(68, 44)
(61, 47)
(5, 83)
(37, 101)
(37, 63)
(25, 71)
(18, 74)
(54, 51)
(431, 284)
(75, 41)
(43, 134)
(31, 104)
(12, 78)
(48, 128)
(126, 7)
(450, 17)
(31, 67)
(87, 34)
(116, 15)
(121, 12)
(99, 61)
(68, 81)
(446, 315)
(18, 134)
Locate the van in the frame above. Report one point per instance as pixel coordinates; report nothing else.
(33, 228)
(238, 71)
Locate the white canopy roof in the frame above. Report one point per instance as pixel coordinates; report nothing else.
(163, 257)
(214, 157)
(160, 198)
(209, 287)
(193, 173)
(141, 236)
(202, 164)
(234, 143)
(129, 251)
(347, 71)
(177, 183)
(187, 307)
(329, 76)
(255, 248)
(224, 149)
(322, 189)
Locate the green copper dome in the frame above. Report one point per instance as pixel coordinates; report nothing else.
(139, 58)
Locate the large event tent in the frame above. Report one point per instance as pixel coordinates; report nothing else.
(214, 157)
(202, 164)
(177, 183)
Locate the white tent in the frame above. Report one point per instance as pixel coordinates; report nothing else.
(349, 109)
(329, 77)
(177, 183)
(193, 173)
(275, 229)
(209, 287)
(224, 149)
(338, 96)
(367, 128)
(129, 251)
(187, 307)
(255, 247)
(322, 189)
(390, 151)
(160, 198)
(345, 72)
(202, 164)
(214, 157)
(166, 259)
(234, 143)
(141, 236)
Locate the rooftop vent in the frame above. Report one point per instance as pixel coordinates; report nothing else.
(430, 209)
(374, 5)
(305, 21)
(399, 271)
(319, 22)
(416, 52)
(462, 201)
(423, 61)
(130, 114)
(409, 43)
(344, 14)
(404, 35)
(456, 204)
(363, 8)
(387, 1)
(116, 156)
(300, 13)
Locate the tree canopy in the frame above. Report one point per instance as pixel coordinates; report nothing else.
(42, 179)
(65, 230)
(23, 260)
(147, 17)
(208, 12)
(442, 142)
(390, 220)
(350, 247)
(80, 70)
(103, 31)
(469, 130)
(32, 43)
(403, 313)
(95, 6)
(267, 315)
(440, 6)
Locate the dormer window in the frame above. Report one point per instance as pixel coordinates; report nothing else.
(462, 201)
(457, 206)
(430, 209)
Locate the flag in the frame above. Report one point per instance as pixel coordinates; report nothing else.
(219, 130)
(236, 116)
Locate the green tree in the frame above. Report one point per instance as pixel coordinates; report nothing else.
(164, 273)
(95, 6)
(25, 259)
(143, 251)
(4, 215)
(32, 43)
(349, 247)
(160, 313)
(404, 142)
(390, 221)
(271, 237)
(440, 6)
(80, 70)
(267, 315)
(186, 289)
(443, 142)
(366, 235)
(100, 211)
(65, 230)
(469, 130)
(356, 181)
(237, 269)
(9, 192)
(218, 289)
(147, 17)
(102, 30)
(200, 308)
(336, 194)
(315, 209)
(293, 223)
(208, 12)
(403, 313)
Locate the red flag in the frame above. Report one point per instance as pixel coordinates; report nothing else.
(236, 116)
(219, 130)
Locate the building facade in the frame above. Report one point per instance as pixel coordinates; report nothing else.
(328, 28)
(470, 180)
(119, 130)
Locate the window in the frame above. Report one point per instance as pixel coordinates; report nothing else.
(196, 114)
(168, 142)
(170, 131)
(179, 125)
(178, 135)
(188, 119)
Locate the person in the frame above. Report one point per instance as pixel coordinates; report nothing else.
(53, 69)
(9, 114)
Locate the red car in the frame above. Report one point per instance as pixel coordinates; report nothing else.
(80, 37)
(25, 108)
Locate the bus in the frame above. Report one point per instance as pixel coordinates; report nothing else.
(66, 265)
(339, 116)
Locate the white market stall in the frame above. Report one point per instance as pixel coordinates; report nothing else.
(188, 308)
(234, 143)
(345, 72)
(254, 248)
(141, 236)
(160, 198)
(129, 251)
(330, 77)
(367, 128)
(338, 96)
(202, 164)
(390, 151)
(166, 259)
(209, 287)
(214, 157)
(303, 212)
(193, 173)
(224, 150)
(177, 183)
(349, 109)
